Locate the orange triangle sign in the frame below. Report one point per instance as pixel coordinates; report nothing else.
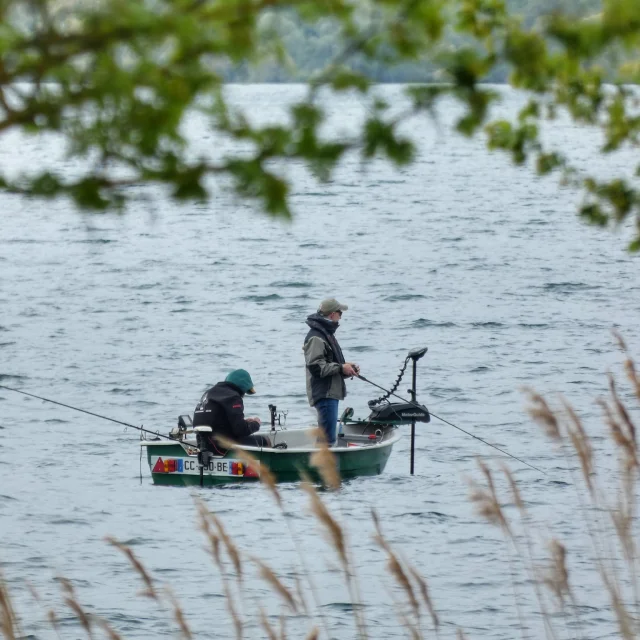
(159, 466)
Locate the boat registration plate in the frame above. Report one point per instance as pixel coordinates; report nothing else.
(189, 466)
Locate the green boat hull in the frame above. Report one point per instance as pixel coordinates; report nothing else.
(178, 468)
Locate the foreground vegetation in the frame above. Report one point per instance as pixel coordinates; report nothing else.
(608, 517)
(118, 80)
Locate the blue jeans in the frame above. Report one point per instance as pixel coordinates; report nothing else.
(327, 409)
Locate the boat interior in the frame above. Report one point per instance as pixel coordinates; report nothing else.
(350, 435)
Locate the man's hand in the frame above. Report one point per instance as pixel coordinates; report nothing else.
(349, 369)
(254, 419)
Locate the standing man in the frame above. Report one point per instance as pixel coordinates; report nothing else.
(326, 367)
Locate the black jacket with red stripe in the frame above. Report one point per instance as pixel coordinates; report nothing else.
(222, 409)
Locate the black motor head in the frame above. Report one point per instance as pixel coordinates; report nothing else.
(416, 354)
(400, 413)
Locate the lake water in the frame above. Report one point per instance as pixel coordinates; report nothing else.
(134, 316)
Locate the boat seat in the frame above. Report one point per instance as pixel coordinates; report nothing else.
(265, 436)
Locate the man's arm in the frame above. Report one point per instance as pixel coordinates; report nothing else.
(316, 359)
(240, 428)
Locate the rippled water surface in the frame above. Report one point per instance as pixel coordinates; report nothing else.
(133, 317)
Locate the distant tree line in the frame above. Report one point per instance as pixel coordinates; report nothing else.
(306, 48)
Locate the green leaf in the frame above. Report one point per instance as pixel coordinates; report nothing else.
(548, 162)
(380, 137)
(346, 79)
(593, 214)
(46, 184)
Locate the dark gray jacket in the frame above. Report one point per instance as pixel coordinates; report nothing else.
(324, 360)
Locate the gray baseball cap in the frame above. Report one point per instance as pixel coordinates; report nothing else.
(330, 305)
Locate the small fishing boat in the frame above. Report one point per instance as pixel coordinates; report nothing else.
(362, 449)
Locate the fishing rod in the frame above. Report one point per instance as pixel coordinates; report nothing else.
(97, 415)
(415, 404)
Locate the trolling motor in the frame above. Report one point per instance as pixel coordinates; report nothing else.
(415, 355)
(403, 412)
(386, 413)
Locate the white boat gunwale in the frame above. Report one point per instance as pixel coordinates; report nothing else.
(395, 436)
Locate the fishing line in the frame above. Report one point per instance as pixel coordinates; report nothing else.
(97, 415)
(415, 404)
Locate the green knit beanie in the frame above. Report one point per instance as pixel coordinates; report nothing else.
(242, 380)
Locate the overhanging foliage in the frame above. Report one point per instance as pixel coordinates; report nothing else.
(117, 78)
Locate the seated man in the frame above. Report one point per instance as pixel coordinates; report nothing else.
(222, 409)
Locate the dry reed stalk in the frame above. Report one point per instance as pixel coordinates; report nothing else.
(624, 442)
(72, 602)
(266, 476)
(624, 434)
(557, 578)
(269, 480)
(53, 621)
(488, 506)
(542, 414)
(623, 515)
(630, 438)
(623, 522)
(269, 576)
(137, 565)
(515, 492)
(399, 573)
(205, 525)
(206, 518)
(214, 540)
(630, 368)
(460, 634)
(486, 501)
(531, 568)
(108, 629)
(619, 339)
(34, 593)
(300, 593)
(325, 462)
(283, 628)
(336, 535)
(405, 623)
(395, 567)
(629, 364)
(600, 538)
(625, 622)
(424, 591)
(307, 574)
(596, 529)
(237, 620)
(264, 621)
(231, 548)
(314, 634)
(8, 620)
(179, 616)
(581, 444)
